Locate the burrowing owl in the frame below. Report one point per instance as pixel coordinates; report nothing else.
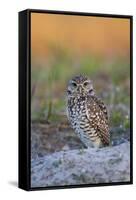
(87, 113)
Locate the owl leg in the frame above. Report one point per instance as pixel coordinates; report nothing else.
(98, 143)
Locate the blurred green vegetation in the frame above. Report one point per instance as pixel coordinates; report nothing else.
(49, 82)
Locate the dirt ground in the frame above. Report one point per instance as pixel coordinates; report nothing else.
(47, 138)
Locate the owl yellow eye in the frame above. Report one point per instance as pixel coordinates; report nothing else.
(74, 84)
(86, 84)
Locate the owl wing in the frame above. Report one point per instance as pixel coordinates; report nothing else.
(102, 106)
(98, 117)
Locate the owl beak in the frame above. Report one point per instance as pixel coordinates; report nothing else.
(80, 89)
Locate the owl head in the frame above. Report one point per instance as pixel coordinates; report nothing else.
(80, 86)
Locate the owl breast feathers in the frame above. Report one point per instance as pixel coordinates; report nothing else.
(87, 113)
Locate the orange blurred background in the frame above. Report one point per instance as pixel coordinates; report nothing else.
(79, 34)
(66, 45)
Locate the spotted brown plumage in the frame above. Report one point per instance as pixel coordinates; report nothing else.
(87, 113)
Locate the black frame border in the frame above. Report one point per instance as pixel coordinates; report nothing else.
(24, 144)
